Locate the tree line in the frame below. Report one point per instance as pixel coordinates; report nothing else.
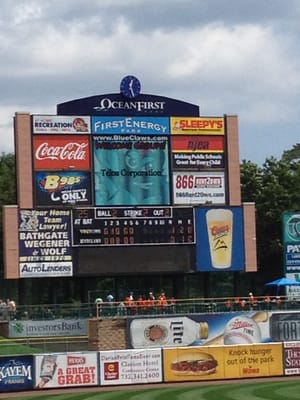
(274, 187)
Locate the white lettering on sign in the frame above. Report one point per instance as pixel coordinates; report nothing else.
(70, 151)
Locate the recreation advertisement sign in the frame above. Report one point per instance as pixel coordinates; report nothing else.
(60, 124)
(45, 243)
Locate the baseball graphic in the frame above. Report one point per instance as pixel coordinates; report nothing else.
(242, 330)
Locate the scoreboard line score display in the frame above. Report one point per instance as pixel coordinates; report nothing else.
(132, 226)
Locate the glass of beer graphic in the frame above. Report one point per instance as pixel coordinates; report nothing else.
(219, 228)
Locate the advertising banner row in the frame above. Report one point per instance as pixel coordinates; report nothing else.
(121, 367)
(47, 237)
(52, 124)
(128, 170)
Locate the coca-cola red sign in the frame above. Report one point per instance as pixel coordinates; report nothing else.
(57, 152)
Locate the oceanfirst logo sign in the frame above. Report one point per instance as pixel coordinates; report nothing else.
(126, 125)
(291, 238)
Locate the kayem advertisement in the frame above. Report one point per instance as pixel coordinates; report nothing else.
(66, 370)
(122, 367)
(16, 373)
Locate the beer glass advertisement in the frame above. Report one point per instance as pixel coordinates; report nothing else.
(17, 373)
(291, 241)
(66, 370)
(136, 174)
(58, 188)
(123, 367)
(45, 243)
(220, 239)
(211, 363)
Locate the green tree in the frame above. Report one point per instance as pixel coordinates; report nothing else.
(7, 197)
(274, 188)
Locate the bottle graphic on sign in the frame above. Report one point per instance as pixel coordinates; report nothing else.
(219, 224)
(48, 368)
(166, 332)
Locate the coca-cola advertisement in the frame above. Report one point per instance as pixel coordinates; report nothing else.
(55, 152)
(56, 188)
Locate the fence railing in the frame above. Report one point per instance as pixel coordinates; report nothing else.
(172, 306)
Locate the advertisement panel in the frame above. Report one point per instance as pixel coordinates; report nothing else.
(60, 124)
(47, 328)
(212, 329)
(17, 373)
(198, 187)
(291, 241)
(291, 358)
(293, 292)
(57, 188)
(197, 144)
(136, 174)
(66, 370)
(131, 125)
(132, 226)
(220, 239)
(196, 161)
(123, 367)
(285, 326)
(197, 126)
(255, 360)
(45, 243)
(211, 363)
(56, 152)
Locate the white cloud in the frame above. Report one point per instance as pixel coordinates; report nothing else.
(238, 62)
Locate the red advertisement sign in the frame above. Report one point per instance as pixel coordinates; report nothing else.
(55, 152)
(197, 144)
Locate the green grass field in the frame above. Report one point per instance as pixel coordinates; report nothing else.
(281, 390)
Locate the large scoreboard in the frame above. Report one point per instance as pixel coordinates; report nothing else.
(133, 226)
(122, 180)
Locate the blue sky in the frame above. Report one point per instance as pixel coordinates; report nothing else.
(235, 57)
